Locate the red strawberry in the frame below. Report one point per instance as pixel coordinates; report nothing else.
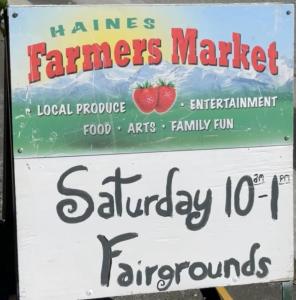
(145, 97)
(166, 96)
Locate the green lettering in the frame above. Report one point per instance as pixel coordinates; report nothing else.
(57, 30)
(79, 26)
(149, 23)
(131, 23)
(113, 23)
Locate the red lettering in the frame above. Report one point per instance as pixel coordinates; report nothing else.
(184, 46)
(184, 51)
(72, 55)
(273, 56)
(258, 56)
(208, 56)
(139, 47)
(96, 56)
(240, 52)
(122, 49)
(55, 66)
(35, 62)
(155, 54)
(225, 49)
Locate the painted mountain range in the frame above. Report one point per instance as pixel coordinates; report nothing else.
(189, 80)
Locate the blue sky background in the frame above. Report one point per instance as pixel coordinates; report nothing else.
(259, 24)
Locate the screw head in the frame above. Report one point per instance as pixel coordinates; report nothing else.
(286, 138)
(20, 150)
(288, 12)
(15, 15)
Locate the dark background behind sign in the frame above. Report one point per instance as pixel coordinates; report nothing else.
(270, 291)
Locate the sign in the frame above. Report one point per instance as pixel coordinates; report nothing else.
(152, 147)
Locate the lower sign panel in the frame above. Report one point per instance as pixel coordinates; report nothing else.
(97, 226)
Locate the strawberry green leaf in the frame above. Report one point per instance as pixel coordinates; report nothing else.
(144, 85)
(161, 82)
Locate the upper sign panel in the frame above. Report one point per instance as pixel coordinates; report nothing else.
(138, 78)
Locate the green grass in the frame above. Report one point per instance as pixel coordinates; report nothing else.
(63, 135)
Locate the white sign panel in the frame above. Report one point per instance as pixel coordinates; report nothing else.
(101, 226)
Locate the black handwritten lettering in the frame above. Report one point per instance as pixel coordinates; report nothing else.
(193, 270)
(139, 276)
(184, 207)
(118, 181)
(166, 274)
(204, 207)
(237, 194)
(195, 205)
(248, 268)
(228, 196)
(109, 254)
(126, 278)
(149, 271)
(148, 201)
(227, 267)
(164, 206)
(251, 196)
(218, 272)
(197, 212)
(106, 210)
(138, 210)
(179, 268)
(263, 267)
(274, 198)
(71, 204)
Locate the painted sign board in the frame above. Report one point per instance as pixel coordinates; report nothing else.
(152, 147)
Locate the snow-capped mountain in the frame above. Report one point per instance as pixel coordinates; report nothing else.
(187, 79)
